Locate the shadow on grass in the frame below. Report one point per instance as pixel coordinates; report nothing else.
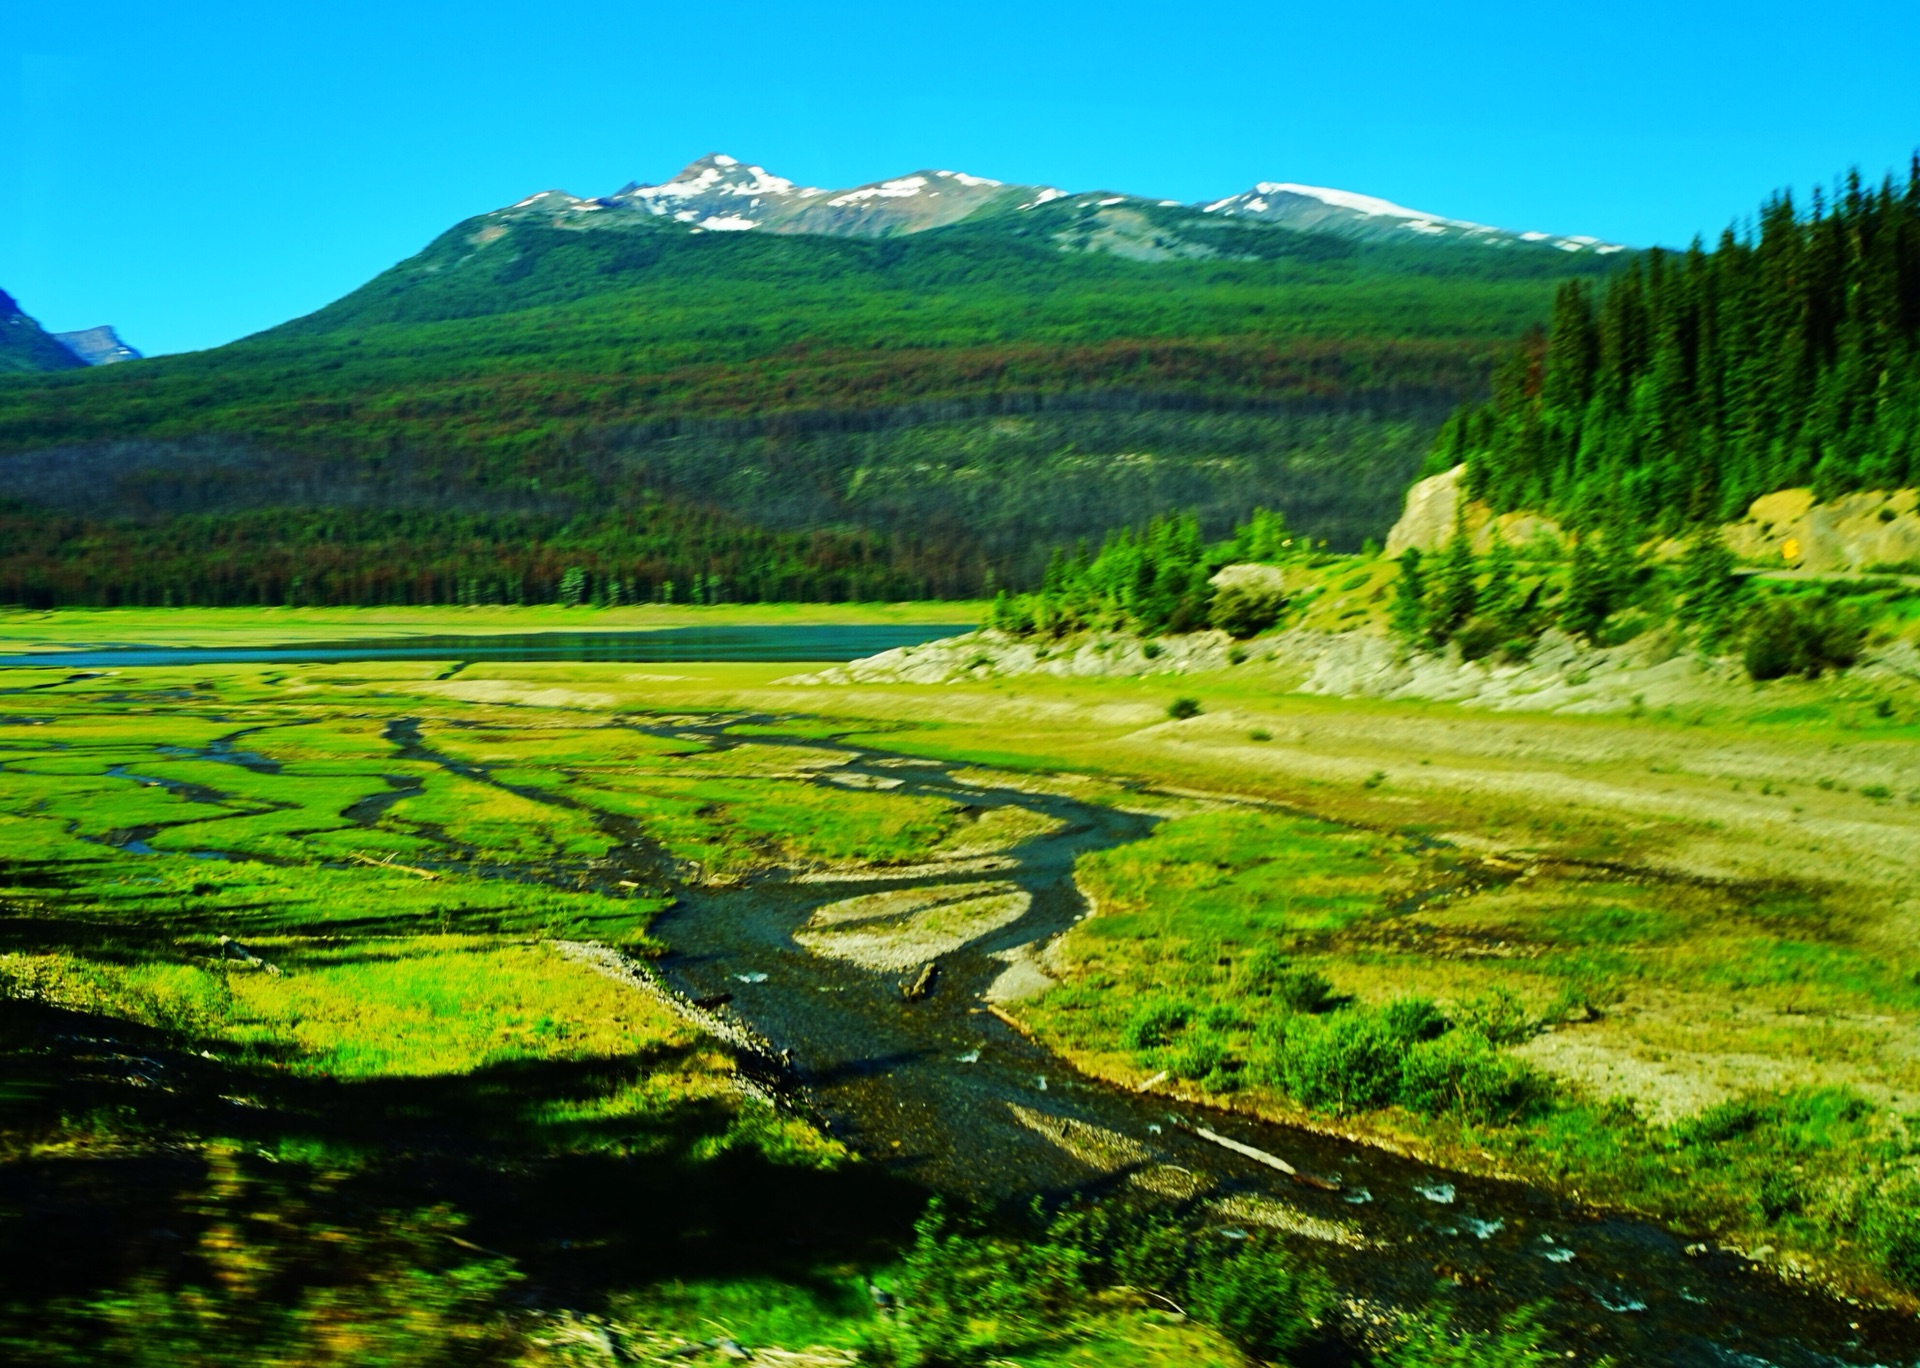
(127, 1152)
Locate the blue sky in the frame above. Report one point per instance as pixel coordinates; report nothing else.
(197, 171)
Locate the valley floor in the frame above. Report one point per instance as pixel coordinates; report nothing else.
(1672, 957)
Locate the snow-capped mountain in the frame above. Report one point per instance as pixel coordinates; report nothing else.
(1341, 213)
(719, 193)
(99, 346)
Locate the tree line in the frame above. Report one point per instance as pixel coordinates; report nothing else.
(341, 557)
(1692, 383)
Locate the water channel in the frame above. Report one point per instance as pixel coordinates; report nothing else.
(944, 1092)
(800, 642)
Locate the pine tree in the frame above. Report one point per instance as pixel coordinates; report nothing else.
(1500, 599)
(1709, 590)
(1408, 617)
(1457, 586)
(1589, 598)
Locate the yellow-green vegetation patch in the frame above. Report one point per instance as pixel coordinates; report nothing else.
(440, 1005)
(732, 825)
(495, 821)
(603, 744)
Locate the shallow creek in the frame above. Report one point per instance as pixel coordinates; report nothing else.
(944, 1092)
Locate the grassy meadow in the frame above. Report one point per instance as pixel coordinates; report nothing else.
(1663, 959)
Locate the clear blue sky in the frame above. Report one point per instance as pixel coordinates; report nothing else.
(193, 172)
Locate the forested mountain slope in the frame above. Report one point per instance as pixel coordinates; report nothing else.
(1691, 384)
(26, 347)
(930, 410)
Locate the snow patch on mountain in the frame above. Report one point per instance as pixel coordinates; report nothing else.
(1317, 208)
(893, 189)
(721, 193)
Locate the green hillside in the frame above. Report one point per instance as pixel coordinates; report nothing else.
(527, 396)
(1693, 384)
(25, 347)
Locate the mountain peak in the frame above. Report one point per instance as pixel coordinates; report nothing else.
(1342, 213)
(719, 192)
(99, 346)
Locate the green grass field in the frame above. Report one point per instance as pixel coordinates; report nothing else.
(1663, 960)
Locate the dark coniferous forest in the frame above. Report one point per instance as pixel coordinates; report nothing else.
(1692, 383)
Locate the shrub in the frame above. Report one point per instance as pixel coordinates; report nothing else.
(1199, 1056)
(1346, 1062)
(1354, 1060)
(1183, 708)
(1480, 637)
(1804, 637)
(1244, 610)
(1155, 1023)
(1269, 975)
(1432, 1342)
(1889, 1233)
(1499, 1016)
(1461, 1072)
(1257, 1298)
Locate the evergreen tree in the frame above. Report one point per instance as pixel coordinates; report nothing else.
(1500, 598)
(1456, 589)
(1589, 597)
(1786, 356)
(1408, 617)
(1709, 591)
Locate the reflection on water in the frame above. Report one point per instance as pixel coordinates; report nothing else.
(772, 644)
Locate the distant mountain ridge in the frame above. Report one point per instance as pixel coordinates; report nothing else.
(26, 347)
(720, 193)
(99, 346)
(737, 386)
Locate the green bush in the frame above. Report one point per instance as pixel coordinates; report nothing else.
(1155, 1023)
(1461, 1072)
(1889, 1232)
(1183, 708)
(1480, 637)
(1432, 1342)
(1349, 1061)
(1402, 1054)
(1242, 611)
(1255, 1296)
(1270, 975)
(1802, 636)
(1499, 1016)
(1200, 1056)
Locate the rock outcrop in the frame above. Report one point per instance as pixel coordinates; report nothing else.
(99, 346)
(990, 654)
(1433, 509)
(1871, 530)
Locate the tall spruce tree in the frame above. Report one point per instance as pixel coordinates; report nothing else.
(1500, 597)
(1709, 591)
(1457, 587)
(1589, 596)
(1408, 617)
